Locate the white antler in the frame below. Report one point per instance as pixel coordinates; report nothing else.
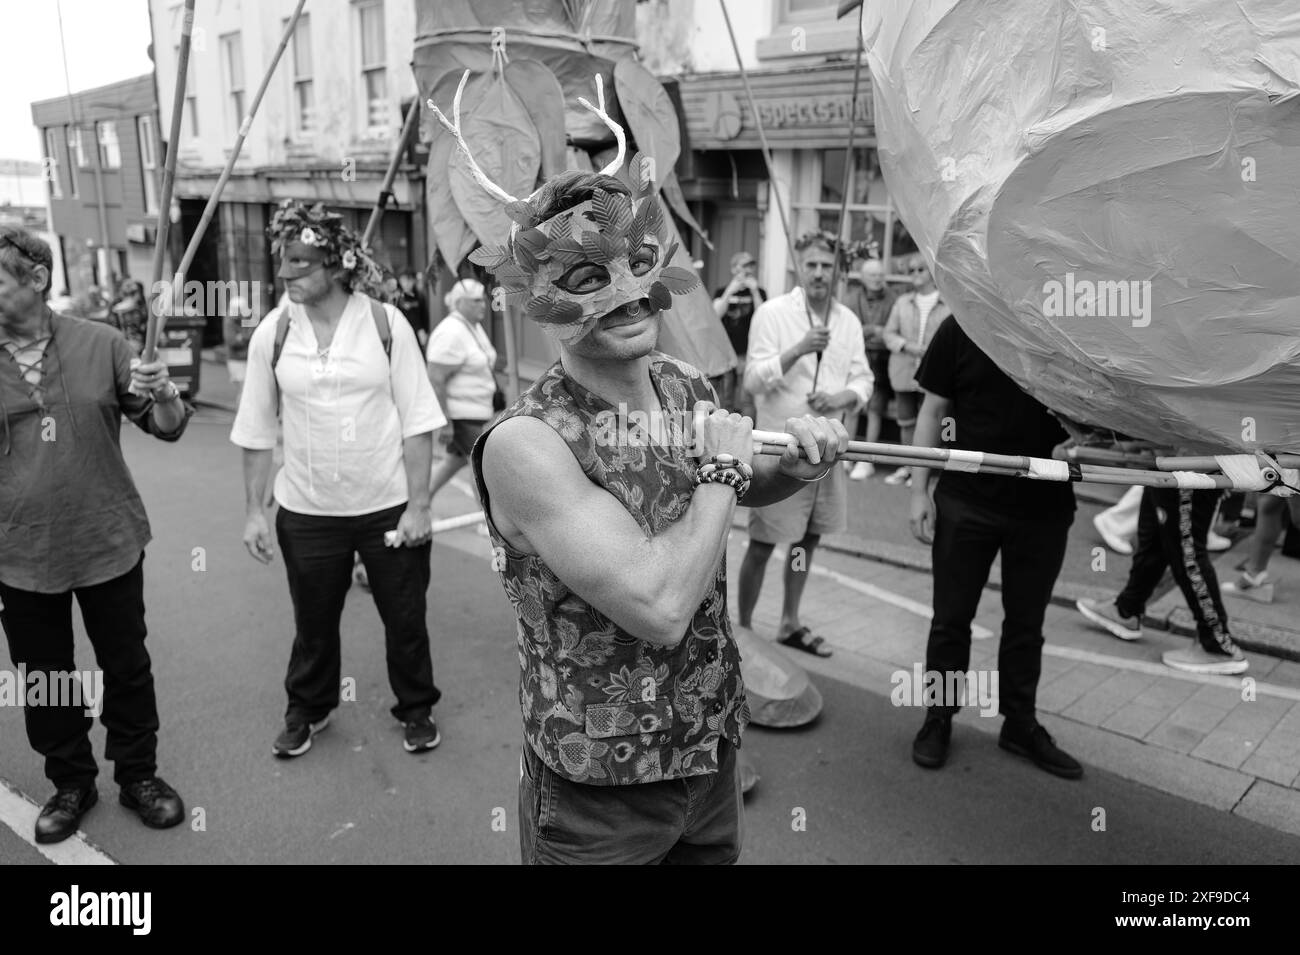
(599, 110)
(453, 127)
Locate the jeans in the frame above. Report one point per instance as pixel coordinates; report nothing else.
(1173, 524)
(39, 630)
(697, 820)
(318, 561)
(967, 536)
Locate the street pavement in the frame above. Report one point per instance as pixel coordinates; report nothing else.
(1182, 770)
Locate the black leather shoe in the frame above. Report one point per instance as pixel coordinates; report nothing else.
(157, 804)
(61, 816)
(1036, 744)
(930, 748)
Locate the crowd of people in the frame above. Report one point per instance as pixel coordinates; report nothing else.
(612, 558)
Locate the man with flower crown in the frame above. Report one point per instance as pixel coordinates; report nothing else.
(611, 535)
(345, 375)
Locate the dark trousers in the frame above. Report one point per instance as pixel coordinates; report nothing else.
(1173, 524)
(698, 820)
(318, 561)
(967, 536)
(39, 630)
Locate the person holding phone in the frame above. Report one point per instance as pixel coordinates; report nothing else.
(358, 444)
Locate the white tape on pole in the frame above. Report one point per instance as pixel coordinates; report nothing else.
(1045, 469)
(963, 460)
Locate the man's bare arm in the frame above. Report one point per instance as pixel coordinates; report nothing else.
(649, 586)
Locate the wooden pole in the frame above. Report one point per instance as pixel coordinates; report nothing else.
(377, 213)
(178, 282)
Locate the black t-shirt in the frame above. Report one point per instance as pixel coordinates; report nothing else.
(739, 314)
(990, 413)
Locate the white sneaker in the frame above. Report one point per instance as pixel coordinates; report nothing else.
(1256, 587)
(1116, 543)
(902, 476)
(1106, 616)
(1195, 659)
(1217, 543)
(862, 470)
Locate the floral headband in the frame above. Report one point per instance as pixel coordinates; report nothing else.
(324, 232)
(580, 264)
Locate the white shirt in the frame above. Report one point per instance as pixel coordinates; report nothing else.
(470, 388)
(780, 323)
(345, 415)
(924, 306)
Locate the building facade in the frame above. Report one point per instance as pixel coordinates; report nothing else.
(324, 131)
(102, 176)
(800, 61)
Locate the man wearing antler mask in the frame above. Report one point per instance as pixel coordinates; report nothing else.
(611, 536)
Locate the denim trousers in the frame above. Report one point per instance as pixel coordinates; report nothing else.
(318, 561)
(696, 820)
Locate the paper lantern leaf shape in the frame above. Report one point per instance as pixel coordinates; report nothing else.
(543, 97)
(603, 249)
(678, 280)
(505, 144)
(450, 233)
(672, 192)
(491, 257)
(649, 113)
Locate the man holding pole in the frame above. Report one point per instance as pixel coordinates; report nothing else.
(806, 355)
(76, 526)
(971, 404)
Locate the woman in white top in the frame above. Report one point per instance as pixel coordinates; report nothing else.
(461, 359)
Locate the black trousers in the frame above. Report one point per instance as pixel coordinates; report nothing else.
(318, 561)
(39, 631)
(1172, 527)
(967, 536)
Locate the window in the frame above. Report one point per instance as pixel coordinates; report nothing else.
(75, 160)
(819, 189)
(374, 75)
(232, 61)
(148, 163)
(110, 154)
(52, 164)
(191, 92)
(302, 73)
(77, 147)
(807, 28)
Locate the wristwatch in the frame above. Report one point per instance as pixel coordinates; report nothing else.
(168, 392)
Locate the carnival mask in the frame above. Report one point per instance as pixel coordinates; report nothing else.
(571, 269)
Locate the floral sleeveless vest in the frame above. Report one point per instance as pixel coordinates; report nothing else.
(601, 706)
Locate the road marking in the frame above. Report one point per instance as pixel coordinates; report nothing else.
(1159, 669)
(888, 596)
(19, 813)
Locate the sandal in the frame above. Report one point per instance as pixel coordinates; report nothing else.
(802, 639)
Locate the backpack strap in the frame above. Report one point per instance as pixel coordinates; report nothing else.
(283, 321)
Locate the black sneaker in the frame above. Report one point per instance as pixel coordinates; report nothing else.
(157, 804)
(61, 815)
(1036, 744)
(930, 748)
(295, 738)
(421, 734)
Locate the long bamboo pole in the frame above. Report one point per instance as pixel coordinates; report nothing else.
(377, 213)
(192, 249)
(169, 168)
(848, 159)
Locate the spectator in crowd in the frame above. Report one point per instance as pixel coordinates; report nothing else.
(358, 419)
(75, 527)
(131, 314)
(461, 362)
(1253, 581)
(969, 521)
(867, 296)
(411, 301)
(734, 304)
(911, 325)
(801, 364)
(1117, 525)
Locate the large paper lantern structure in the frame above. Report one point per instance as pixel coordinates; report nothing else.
(1110, 193)
(530, 61)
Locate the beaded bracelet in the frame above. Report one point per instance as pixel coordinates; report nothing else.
(730, 461)
(730, 475)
